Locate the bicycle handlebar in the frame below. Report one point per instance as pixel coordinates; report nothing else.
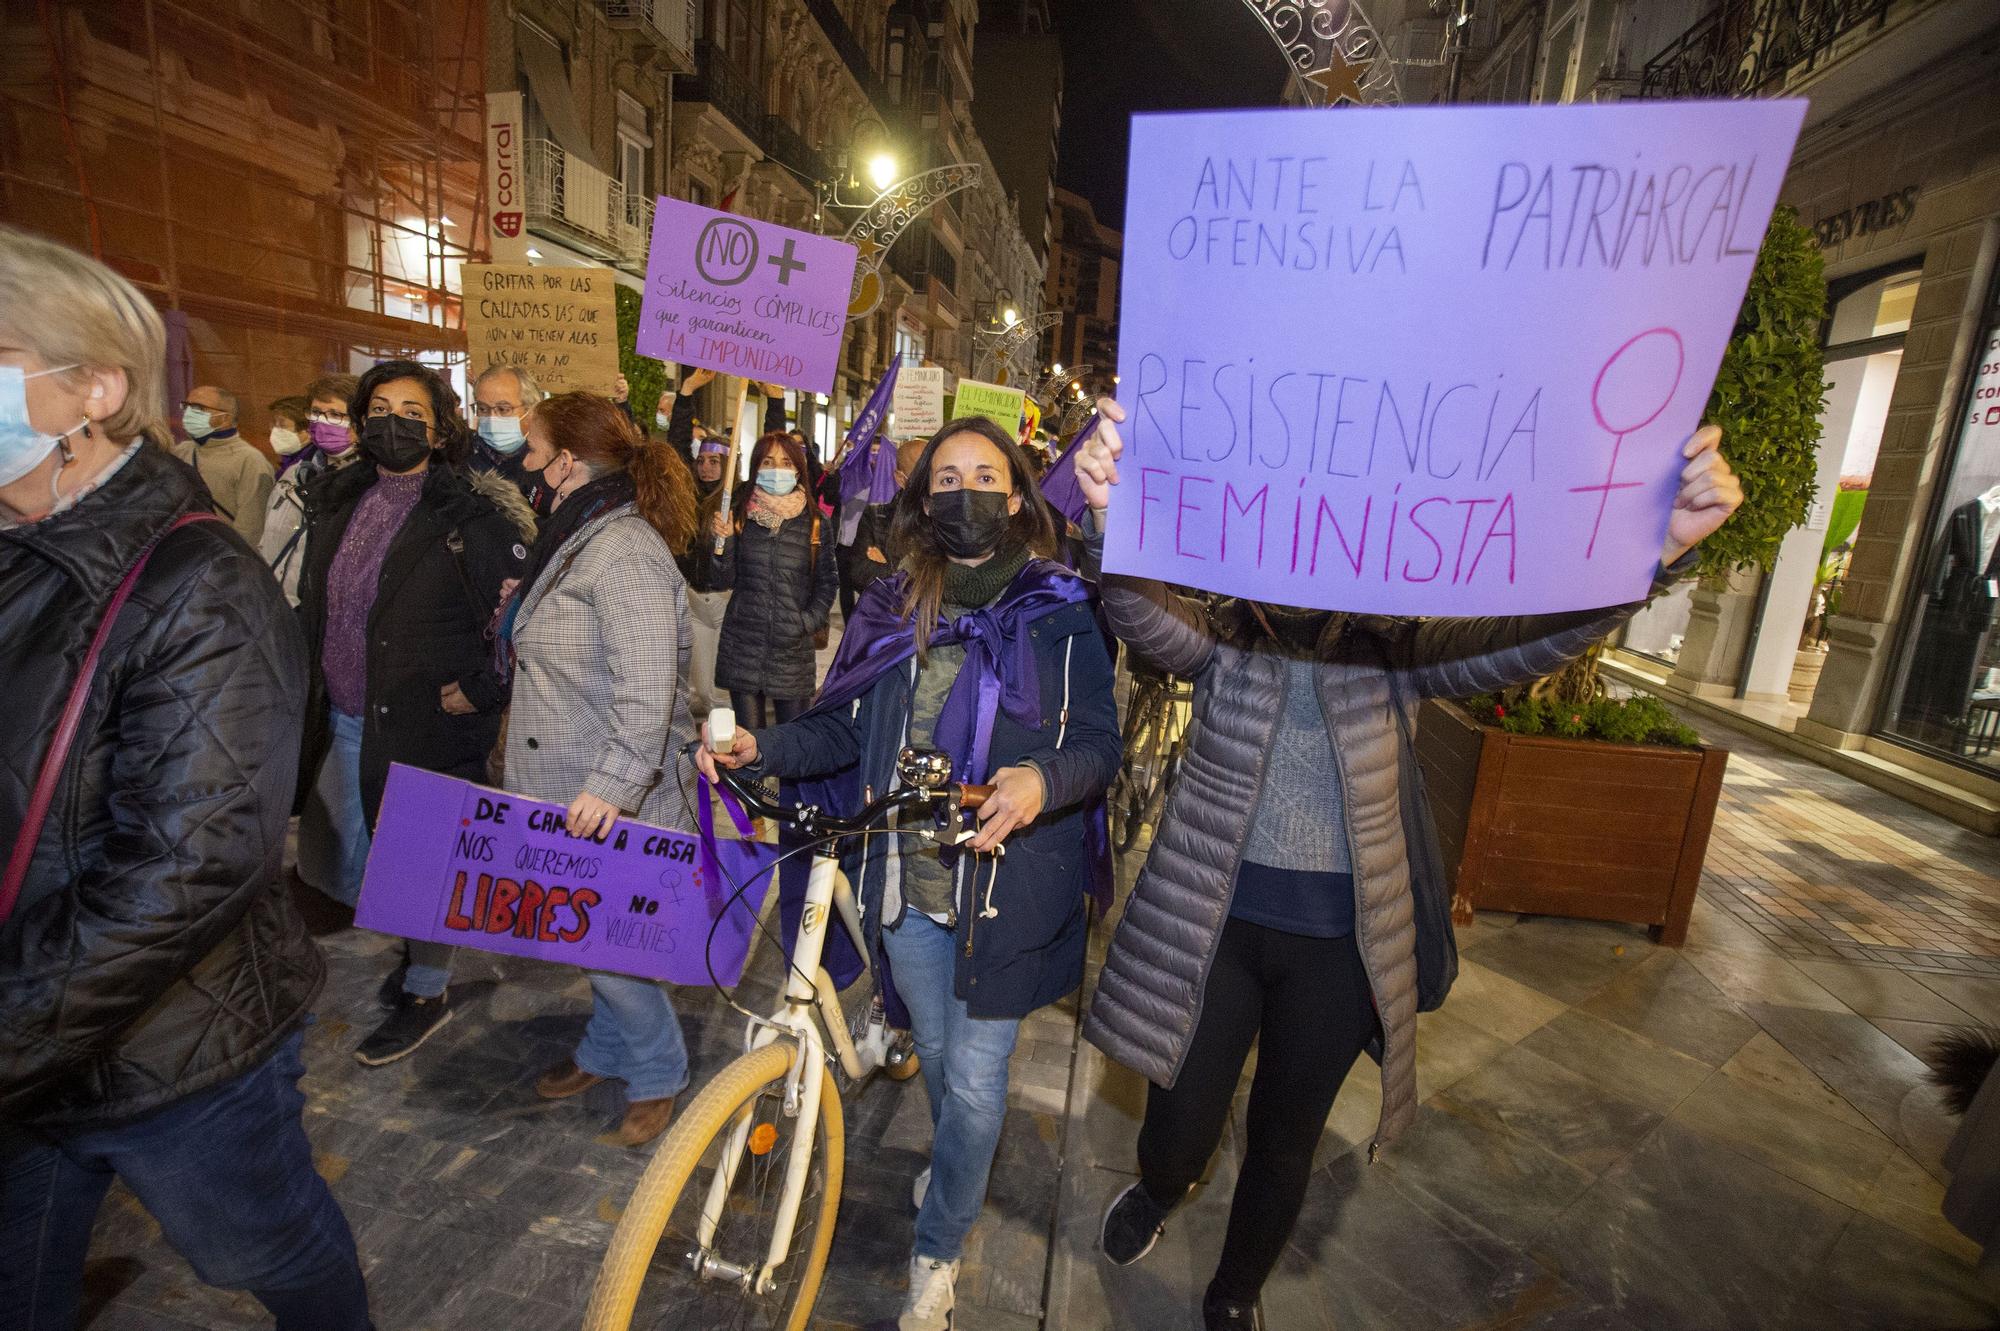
(814, 820)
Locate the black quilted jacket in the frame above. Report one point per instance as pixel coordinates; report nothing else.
(1149, 995)
(153, 952)
(782, 584)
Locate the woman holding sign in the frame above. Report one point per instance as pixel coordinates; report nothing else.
(596, 636)
(985, 649)
(1282, 909)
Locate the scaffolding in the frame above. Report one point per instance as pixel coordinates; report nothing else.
(296, 182)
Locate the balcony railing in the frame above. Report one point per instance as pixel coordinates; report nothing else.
(572, 201)
(717, 81)
(781, 141)
(668, 23)
(1742, 48)
(635, 231)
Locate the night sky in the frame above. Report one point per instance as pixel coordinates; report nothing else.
(1121, 56)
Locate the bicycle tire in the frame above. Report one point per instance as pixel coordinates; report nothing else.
(1137, 778)
(630, 1254)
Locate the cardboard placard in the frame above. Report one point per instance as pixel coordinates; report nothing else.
(919, 401)
(558, 324)
(1000, 405)
(1428, 361)
(454, 862)
(746, 297)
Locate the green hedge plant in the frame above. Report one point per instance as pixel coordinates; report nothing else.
(644, 376)
(1641, 719)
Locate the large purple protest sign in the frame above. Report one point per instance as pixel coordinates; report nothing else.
(1430, 361)
(453, 862)
(745, 297)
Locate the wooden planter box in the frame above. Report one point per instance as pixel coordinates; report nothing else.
(1571, 827)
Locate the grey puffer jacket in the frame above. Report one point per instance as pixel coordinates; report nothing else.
(1149, 996)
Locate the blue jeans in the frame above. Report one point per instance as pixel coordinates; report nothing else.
(333, 847)
(229, 1175)
(965, 1074)
(634, 1036)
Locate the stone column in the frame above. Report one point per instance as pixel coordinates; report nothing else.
(1717, 642)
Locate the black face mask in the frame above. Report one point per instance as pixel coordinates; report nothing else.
(969, 523)
(395, 443)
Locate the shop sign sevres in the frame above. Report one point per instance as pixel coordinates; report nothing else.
(506, 184)
(1875, 215)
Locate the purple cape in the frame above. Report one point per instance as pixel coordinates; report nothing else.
(999, 674)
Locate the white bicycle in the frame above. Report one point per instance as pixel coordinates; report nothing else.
(746, 1184)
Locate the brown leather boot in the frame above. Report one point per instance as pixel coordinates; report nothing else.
(564, 1080)
(645, 1120)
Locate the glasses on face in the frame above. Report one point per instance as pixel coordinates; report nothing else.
(505, 410)
(327, 417)
(200, 406)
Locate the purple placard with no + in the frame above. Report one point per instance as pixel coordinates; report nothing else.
(745, 297)
(453, 862)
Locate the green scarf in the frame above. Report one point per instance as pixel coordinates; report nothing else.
(973, 586)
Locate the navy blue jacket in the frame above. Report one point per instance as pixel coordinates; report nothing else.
(1031, 953)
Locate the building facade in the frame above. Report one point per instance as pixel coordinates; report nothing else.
(1085, 259)
(294, 186)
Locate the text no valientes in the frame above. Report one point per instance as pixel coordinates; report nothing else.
(1428, 361)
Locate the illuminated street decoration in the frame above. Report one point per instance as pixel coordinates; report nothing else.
(1333, 49)
(1007, 355)
(885, 219)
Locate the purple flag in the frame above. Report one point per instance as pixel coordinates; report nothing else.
(1059, 484)
(856, 478)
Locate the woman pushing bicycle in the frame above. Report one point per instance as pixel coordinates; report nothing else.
(1283, 909)
(985, 649)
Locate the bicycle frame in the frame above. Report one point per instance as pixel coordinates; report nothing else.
(827, 892)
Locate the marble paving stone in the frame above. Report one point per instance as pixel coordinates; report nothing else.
(1767, 1064)
(1356, 1113)
(1501, 1180)
(1568, 960)
(1505, 1008)
(1977, 996)
(1523, 1092)
(1836, 1159)
(1878, 1276)
(1906, 1196)
(1865, 1067)
(1916, 1036)
(1879, 991)
(1448, 1050)
(1620, 1061)
(1759, 978)
(1682, 1235)
(1672, 1003)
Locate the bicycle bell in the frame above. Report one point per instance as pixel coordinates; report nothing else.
(926, 769)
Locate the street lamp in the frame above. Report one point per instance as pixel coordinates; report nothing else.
(1010, 316)
(882, 170)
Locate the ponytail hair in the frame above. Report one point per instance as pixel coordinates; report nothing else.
(600, 436)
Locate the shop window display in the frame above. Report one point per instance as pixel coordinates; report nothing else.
(1947, 696)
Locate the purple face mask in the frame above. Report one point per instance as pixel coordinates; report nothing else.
(330, 438)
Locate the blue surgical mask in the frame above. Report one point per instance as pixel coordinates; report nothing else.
(773, 481)
(197, 423)
(22, 447)
(502, 433)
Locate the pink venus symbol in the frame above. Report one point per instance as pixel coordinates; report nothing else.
(1631, 379)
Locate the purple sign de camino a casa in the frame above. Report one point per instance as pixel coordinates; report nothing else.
(1428, 361)
(745, 297)
(453, 862)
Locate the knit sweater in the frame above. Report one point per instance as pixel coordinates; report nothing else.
(352, 582)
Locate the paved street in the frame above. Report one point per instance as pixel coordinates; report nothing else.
(1614, 1136)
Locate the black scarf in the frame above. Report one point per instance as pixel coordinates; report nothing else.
(592, 500)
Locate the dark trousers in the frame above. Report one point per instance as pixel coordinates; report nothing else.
(229, 1175)
(1304, 1003)
(755, 711)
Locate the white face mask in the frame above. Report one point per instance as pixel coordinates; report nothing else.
(22, 447)
(286, 442)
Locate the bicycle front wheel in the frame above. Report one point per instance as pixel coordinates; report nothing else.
(649, 1284)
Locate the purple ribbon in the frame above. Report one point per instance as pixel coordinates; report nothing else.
(1059, 483)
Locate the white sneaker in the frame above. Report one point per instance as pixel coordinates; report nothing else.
(933, 1286)
(922, 1186)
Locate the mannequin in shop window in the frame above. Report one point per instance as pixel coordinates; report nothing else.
(1963, 592)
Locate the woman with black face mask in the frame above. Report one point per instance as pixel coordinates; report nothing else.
(983, 647)
(404, 560)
